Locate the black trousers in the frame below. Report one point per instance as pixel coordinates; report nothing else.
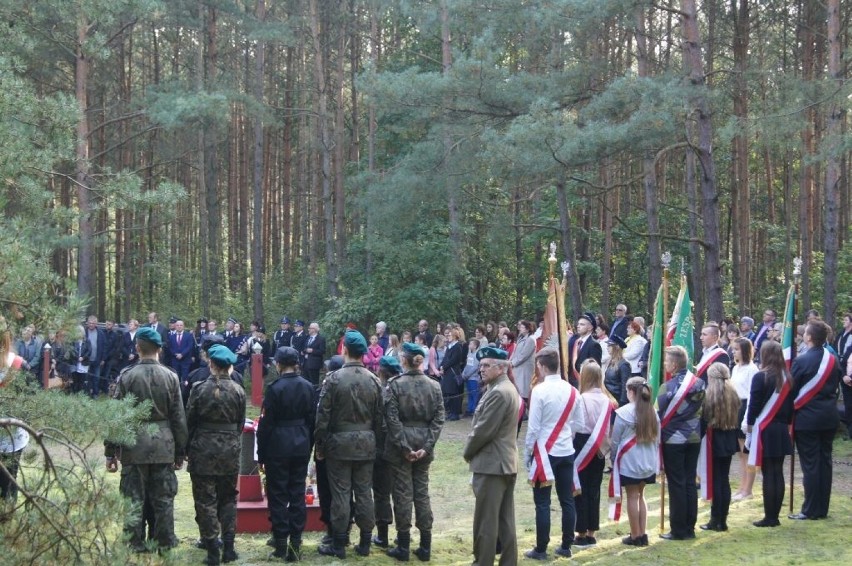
(588, 503)
(814, 447)
(847, 405)
(721, 490)
(773, 486)
(681, 463)
(285, 490)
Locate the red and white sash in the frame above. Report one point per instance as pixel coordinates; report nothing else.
(814, 384)
(776, 400)
(679, 397)
(708, 360)
(593, 445)
(540, 470)
(615, 478)
(705, 465)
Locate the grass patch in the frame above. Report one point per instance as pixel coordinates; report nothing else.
(794, 542)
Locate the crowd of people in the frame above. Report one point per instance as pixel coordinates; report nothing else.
(373, 422)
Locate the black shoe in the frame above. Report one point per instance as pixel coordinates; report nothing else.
(630, 541)
(582, 542)
(381, 537)
(400, 551)
(363, 546)
(535, 555)
(212, 558)
(336, 549)
(643, 540)
(280, 549)
(562, 551)
(670, 536)
(711, 526)
(201, 545)
(767, 523)
(798, 517)
(424, 553)
(228, 552)
(294, 552)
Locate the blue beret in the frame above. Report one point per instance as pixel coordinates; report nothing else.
(355, 343)
(413, 349)
(148, 334)
(391, 364)
(491, 352)
(222, 355)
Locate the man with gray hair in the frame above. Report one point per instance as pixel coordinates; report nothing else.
(382, 335)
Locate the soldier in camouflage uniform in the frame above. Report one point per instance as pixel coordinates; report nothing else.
(148, 466)
(414, 417)
(382, 469)
(215, 416)
(284, 442)
(349, 416)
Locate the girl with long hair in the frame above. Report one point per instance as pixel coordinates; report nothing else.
(719, 418)
(775, 443)
(636, 462)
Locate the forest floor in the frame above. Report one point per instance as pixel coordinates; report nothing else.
(794, 542)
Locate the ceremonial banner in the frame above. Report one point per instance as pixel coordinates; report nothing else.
(555, 332)
(682, 333)
(788, 339)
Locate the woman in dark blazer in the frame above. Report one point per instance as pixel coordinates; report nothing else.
(451, 372)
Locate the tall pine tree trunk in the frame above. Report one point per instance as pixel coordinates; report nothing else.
(257, 208)
(834, 127)
(704, 152)
(85, 258)
(741, 193)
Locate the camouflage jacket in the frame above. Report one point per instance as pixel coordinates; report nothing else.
(414, 415)
(215, 416)
(349, 414)
(162, 439)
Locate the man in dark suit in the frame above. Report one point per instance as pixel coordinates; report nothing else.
(423, 332)
(114, 353)
(844, 349)
(154, 322)
(816, 374)
(128, 341)
(313, 354)
(712, 353)
(619, 323)
(182, 346)
(299, 338)
(97, 342)
(582, 346)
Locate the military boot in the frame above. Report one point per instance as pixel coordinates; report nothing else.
(337, 548)
(212, 552)
(400, 551)
(363, 546)
(327, 538)
(381, 538)
(424, 553)
(228, 552)
(280, 549)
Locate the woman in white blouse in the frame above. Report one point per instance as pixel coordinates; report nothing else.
(744, 369)
(635, 346)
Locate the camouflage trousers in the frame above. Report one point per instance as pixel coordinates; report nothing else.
(215, 504)
(349, 478)
(155, 484)
(382, 488)
(411, 489)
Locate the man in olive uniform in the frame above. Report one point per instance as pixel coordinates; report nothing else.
(382, 469)
(348, 421)
(215, 417)
(414, 415)
(148, 466)
(492, 452)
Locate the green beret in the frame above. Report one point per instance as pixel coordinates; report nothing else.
(221, 355)
(148, 334)
(491, 352)
(412, 349)
(390, 364)
(355, 343)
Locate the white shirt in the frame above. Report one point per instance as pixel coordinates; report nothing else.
(741, 379)
(547, 402)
